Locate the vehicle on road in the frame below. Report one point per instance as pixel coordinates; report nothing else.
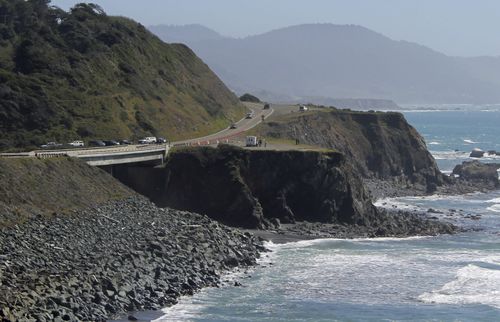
(148, 140)
(303, 108)
(111, 142)
(267, 106)
(96, 143)
(249, 115)
(161, 140)
(77, 143)
(50, 145)
(251, 141)
(125, 142)
(233, 126)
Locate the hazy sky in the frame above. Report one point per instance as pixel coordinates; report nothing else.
(454, 27)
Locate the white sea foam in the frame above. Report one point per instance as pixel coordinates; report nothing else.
(494, 208)
(494, 200)
(470, 141)
(450, 155)
(472, 285)
(434, 143)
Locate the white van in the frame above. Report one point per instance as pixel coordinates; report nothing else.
(77, 143)
(148, 140)
(251, 141)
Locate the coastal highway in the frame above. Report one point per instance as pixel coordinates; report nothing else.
(241, 126)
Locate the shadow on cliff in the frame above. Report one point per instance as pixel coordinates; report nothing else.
(257, 188)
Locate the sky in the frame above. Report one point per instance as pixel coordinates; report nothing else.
(453, 27)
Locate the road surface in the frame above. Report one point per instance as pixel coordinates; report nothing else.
(242, 125)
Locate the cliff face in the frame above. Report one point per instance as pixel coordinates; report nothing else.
(251, 188)
(379, 145)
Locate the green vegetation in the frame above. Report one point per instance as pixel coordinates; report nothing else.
(31, 186)
(249, 98)
(83, 74)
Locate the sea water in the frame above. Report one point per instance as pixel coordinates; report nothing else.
(443, 278)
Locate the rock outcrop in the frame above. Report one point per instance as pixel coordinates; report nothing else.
(379, 145)
(478, 172)
(252, 188)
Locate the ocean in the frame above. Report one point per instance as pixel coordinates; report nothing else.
(443, 278)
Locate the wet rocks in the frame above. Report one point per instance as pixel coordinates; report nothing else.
(478, 172)
(119, 257)
(476, 153)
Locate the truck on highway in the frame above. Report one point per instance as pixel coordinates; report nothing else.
(251, 141)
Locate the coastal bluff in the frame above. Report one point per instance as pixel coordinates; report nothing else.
(252, 189)
(262, 189)
(379, 145)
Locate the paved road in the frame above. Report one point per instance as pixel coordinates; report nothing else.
(241, 126)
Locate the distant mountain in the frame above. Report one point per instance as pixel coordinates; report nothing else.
(344, 61)
(84, 74)
(186, 33)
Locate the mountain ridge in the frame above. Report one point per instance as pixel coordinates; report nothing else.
(343, 61)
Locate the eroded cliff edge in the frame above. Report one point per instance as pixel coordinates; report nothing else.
(379, 145)
(264, 188)
(250, 188)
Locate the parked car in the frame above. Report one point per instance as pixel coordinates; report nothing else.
(233, 126)
(97, 143)
(267, 106)
(125, 142)
(50, 145)
(111, 142)
(303, 108)
(148, 140)
(77, 143)
(161, 140)
(249, 115)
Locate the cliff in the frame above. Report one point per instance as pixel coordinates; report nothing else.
(379, 145)
(263, 188)
(251, 188)
(84, 74)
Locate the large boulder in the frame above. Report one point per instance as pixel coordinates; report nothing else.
(476, 153)
(477, 171)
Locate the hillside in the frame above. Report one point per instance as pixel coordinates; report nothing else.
(341, 61)
(83, 74)
(378, 145)
(30, 187)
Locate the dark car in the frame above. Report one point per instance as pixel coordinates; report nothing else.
(267, 106)
(233, 126)
(125, 142)
(97, 143)
(51, 145)
(161, 140)
(111, 142)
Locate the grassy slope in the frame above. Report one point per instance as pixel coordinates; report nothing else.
(86, 75)
(32, 186)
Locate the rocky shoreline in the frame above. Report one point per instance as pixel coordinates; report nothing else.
(119, 257)
(393, 223)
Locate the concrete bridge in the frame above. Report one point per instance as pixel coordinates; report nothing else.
(148, 154)
(106, 156)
